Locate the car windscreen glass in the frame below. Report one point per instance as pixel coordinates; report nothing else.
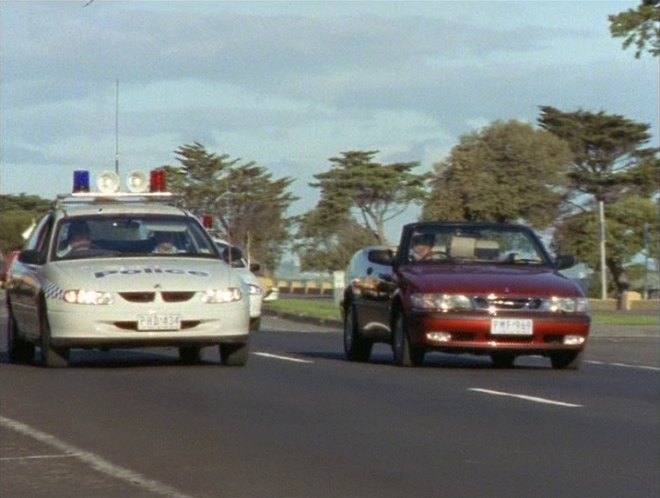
(474, 244)
(129, 236)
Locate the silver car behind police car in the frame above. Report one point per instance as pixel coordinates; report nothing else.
(124, 272)
(234, 257)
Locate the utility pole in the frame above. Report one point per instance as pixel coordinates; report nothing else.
(116, 128)
(647, 251)
(603, 271)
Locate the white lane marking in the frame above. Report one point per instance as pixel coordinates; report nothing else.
(279, 357)
(94, 461)
(525, 397)
(624, 365)
(39, 457)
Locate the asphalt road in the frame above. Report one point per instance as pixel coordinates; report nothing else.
(300, 421)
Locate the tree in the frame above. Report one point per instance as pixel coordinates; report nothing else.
(610, 164)
(12, 224)
(506, 172)
(368, 192)
(326, 241)
(17, 212)
(247, 204)
(640, 27)
(579, 234)
(609, 160)
(23, 202)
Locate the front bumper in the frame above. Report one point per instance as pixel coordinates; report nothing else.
(471, 333)
(109, 326)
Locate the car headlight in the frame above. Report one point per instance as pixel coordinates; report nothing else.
(82, 296)
(567, 304)
(255, 290)
(228, 295)
(441, 302)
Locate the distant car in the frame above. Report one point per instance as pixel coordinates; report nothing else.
(233, 256)
(480, 288)
(121, 270)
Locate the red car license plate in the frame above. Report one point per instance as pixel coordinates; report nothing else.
(511, 326)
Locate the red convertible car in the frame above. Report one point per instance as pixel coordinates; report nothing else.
(479, 288)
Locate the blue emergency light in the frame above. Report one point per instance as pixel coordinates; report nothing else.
(81, 181)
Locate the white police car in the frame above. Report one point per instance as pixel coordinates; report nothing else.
(124, 270)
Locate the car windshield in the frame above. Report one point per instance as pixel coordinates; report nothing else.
(129, 236)
(492, 244)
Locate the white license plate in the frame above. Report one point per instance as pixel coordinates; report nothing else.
(159, 322)
(511, 326)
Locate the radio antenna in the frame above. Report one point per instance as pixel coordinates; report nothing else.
(117, 128)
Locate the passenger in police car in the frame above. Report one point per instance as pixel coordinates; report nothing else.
(79, 239)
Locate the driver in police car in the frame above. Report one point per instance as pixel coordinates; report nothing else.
(164, 243)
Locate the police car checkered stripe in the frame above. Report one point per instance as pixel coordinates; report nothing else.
(52, 291)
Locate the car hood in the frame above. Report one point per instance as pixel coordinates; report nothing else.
(135, 274)
(486, 279)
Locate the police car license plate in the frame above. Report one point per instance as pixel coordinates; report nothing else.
(159, 322)
(511, 326)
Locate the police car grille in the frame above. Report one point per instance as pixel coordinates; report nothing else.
(149, 297)
(177, 297)
(185, 324)
(138, 297)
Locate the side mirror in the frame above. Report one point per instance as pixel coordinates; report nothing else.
(236, 253)
(233, 254)
(31, 257)
(565, 261)
(381, 257)
(255, 267)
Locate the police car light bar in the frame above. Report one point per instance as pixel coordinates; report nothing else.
(158, 180)
(137, 181)
(137, 184)
(80, 181)
(207, 221)
(108, 182)
(118, 195)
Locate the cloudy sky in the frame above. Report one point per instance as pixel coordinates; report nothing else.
(290, 84)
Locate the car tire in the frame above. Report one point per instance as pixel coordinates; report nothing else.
(255, 324)
(356, 347)
(234, 355)
(20, 350)
(405, 354)
(566, 360)
(190, 354)
(503, 360)
(52, 357)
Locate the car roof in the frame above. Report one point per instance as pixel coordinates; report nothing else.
(118, 207)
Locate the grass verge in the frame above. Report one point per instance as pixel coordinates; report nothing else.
(626, 318)
(316, 308)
